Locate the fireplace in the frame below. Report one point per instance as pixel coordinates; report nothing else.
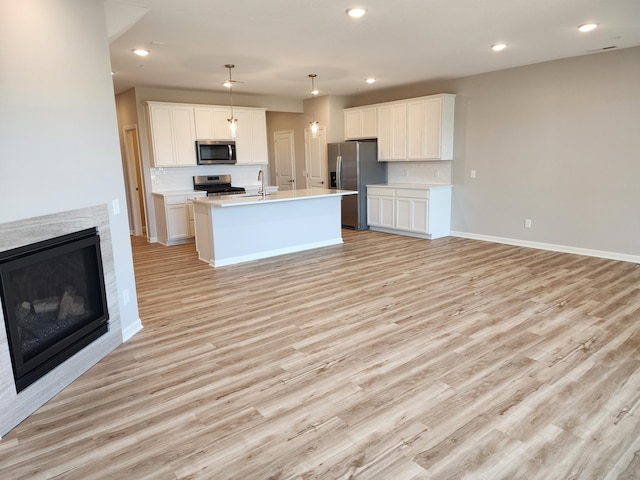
(54, 302)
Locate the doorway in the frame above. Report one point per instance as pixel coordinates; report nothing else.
(135, 193)
(285, 160)
(315, 150)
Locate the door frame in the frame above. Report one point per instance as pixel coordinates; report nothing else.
(133, 168)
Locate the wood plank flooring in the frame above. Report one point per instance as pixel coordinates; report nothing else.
(386, 357)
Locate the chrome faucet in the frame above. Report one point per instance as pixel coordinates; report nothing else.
(262, 190)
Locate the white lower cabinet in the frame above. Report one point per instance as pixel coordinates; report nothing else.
(415, 210)
(380, 207)
(174, 216)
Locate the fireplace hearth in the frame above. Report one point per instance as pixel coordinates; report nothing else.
(54, 302)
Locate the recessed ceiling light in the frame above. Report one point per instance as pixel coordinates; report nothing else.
(370, 80)
(141, 52)
(587, 27)
(498, 47)
(356, 12)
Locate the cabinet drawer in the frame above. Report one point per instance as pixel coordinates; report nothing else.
(381, 192)
(412, 193)
(175, 199)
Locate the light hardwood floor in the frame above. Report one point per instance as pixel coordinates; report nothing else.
(384, 358)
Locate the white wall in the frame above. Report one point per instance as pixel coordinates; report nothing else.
(556, 142)
(59, 147)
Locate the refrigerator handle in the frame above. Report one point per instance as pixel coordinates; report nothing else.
(339, 172)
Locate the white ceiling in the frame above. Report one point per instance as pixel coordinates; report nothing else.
(276, 44)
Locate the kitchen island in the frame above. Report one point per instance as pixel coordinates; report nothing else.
(234, 228)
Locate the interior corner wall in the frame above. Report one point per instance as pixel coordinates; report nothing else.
(555, 142)
(59, 146)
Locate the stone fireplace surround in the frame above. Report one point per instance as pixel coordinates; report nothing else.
(15, 407)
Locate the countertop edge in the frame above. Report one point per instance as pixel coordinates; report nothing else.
(424, 186)
(280, 196)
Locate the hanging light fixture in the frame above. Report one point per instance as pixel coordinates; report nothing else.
(314, 92)
(233, 122)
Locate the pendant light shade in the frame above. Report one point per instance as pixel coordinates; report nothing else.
(233, 122)
(314, 124)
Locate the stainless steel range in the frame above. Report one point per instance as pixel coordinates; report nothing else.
(216, 185)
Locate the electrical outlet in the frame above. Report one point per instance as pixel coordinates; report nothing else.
(125, 297)
(437, 173)
(116, 206)
(472, 174)
(406, 172)
(527, 223)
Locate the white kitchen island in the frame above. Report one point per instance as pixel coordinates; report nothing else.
(233, 229)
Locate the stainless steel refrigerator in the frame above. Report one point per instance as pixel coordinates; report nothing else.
(353, 166)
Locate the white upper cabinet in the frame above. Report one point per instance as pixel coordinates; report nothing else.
(251, 136)
(416, 129)
(172, 134)
(211, 122)
(360, 122)
(430, 128)
(392, 131)
(175, 128)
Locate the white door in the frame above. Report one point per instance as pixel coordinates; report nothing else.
(285, 160)
(315, 150)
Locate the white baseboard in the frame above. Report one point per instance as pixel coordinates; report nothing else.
(131, 330)
(273, 253)
(550, 246)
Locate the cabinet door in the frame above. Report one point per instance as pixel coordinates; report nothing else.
(392, 132)
(412, 210)
(368, 119)
(251, 139)
(416, 130)
(184, 135)
(420, 216)
(203, 118)
(387, 212)
(374, 213)
(360, 123)
(177, 222)
(433, 129)
(403, 214)
(172, 135)
(352, 124)
(160, 118)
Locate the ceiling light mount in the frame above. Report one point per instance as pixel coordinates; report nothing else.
(498, 47)
(141, 52)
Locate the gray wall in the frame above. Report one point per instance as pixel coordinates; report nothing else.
(556, 142)
(59, 146)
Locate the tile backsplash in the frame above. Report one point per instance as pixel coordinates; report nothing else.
(165, 179)
(438, 173)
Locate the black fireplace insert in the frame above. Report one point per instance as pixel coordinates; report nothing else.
(54, 302)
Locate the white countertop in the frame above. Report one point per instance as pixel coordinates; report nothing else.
(168, 193)
(410, 185)
(280, 196)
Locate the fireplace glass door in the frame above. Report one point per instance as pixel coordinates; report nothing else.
(54, 302)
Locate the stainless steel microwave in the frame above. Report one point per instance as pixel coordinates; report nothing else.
(213, 152)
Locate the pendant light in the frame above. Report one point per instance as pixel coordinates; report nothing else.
(233, 122)
(314, 92)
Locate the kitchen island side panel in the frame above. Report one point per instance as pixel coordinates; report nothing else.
(249, 232)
